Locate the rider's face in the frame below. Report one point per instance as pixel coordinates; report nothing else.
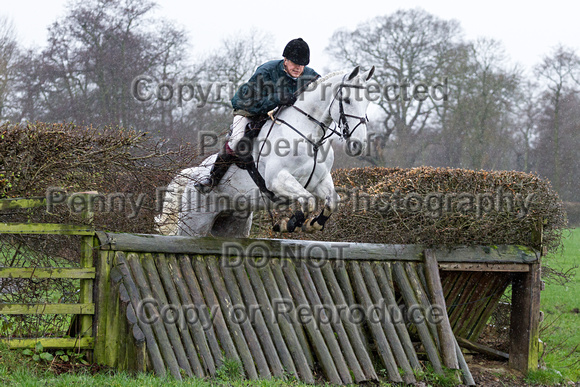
(292, 68)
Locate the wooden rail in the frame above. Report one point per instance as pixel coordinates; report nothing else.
(314, 250)
(86, 273)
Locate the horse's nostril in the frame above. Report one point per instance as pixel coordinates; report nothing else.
(353, 147)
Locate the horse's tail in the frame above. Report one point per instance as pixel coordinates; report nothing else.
(166, 223)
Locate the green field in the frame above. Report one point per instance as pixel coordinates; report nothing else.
(561, 306)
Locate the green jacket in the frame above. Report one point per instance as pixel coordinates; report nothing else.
(263, 90)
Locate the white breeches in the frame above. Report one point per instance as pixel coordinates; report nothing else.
(237, 131)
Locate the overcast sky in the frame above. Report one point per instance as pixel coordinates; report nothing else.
(528, 30)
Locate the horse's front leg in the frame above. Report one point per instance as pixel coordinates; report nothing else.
(325, 190)
(285, 185)
(296, 221)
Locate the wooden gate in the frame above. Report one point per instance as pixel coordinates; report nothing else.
(84, 309)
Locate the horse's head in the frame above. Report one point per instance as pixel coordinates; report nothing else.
(348, 109)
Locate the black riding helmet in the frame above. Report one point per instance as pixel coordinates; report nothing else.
(297, 51)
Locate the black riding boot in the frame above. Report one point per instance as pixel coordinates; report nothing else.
(218, 170)
(242, 157)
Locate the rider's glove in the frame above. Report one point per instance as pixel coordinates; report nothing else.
(287, 99)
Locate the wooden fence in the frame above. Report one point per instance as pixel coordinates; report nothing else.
(227, 276)
(85, 309)
(148, 288)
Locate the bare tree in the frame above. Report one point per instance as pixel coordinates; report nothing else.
(560, 73)
(478, 124)
(8, 54)
(216, 76)
(528, 114)
(235, 61)
(93, 54)
(409, 47)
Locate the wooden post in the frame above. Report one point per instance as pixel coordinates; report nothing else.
(267, 291)
(266, 354)
(103, 283)
(467, 377)
(273, 278)
(330, 337)
(173, 295)
(88, 243)
(260, 367)
(113, 321)
(408, 294)
(387, 323)
(145, 262)
(211, 300)
(525, 313)
(86, 285)
(381, 341)
(525, 320)
(349, 348)
(190, 292)
(133, 293)
(321, 349)
(443, 328)
(389, 295)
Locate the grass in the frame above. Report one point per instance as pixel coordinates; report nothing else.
(449, 378)
(547, 377)
(17, 369)
(560, 303)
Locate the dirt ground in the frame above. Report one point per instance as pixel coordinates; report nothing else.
(493, 373)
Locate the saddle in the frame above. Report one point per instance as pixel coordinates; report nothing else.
(243, 158)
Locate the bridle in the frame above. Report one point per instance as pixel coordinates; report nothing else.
(345, 133)
(342, 121)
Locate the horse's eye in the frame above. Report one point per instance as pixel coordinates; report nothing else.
(347, 100)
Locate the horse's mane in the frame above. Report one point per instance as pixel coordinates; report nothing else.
(314, 85)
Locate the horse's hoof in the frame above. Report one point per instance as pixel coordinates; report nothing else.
(281, 226)
(299, 218)
(296, 221)
(311, 226)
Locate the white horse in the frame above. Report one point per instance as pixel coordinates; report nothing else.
(292, 154)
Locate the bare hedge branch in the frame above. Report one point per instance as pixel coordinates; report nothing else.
(443, 206)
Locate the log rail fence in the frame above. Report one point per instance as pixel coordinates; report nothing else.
(178, 304)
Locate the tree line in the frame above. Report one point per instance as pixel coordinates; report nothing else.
(489, 114)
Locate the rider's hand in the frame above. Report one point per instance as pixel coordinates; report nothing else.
(287, 99)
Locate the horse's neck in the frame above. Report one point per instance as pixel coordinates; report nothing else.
(316, 103)
(316, 109)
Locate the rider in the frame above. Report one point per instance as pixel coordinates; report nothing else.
(274, 84)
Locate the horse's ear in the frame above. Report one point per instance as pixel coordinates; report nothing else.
(354, 73)
(371, 72)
